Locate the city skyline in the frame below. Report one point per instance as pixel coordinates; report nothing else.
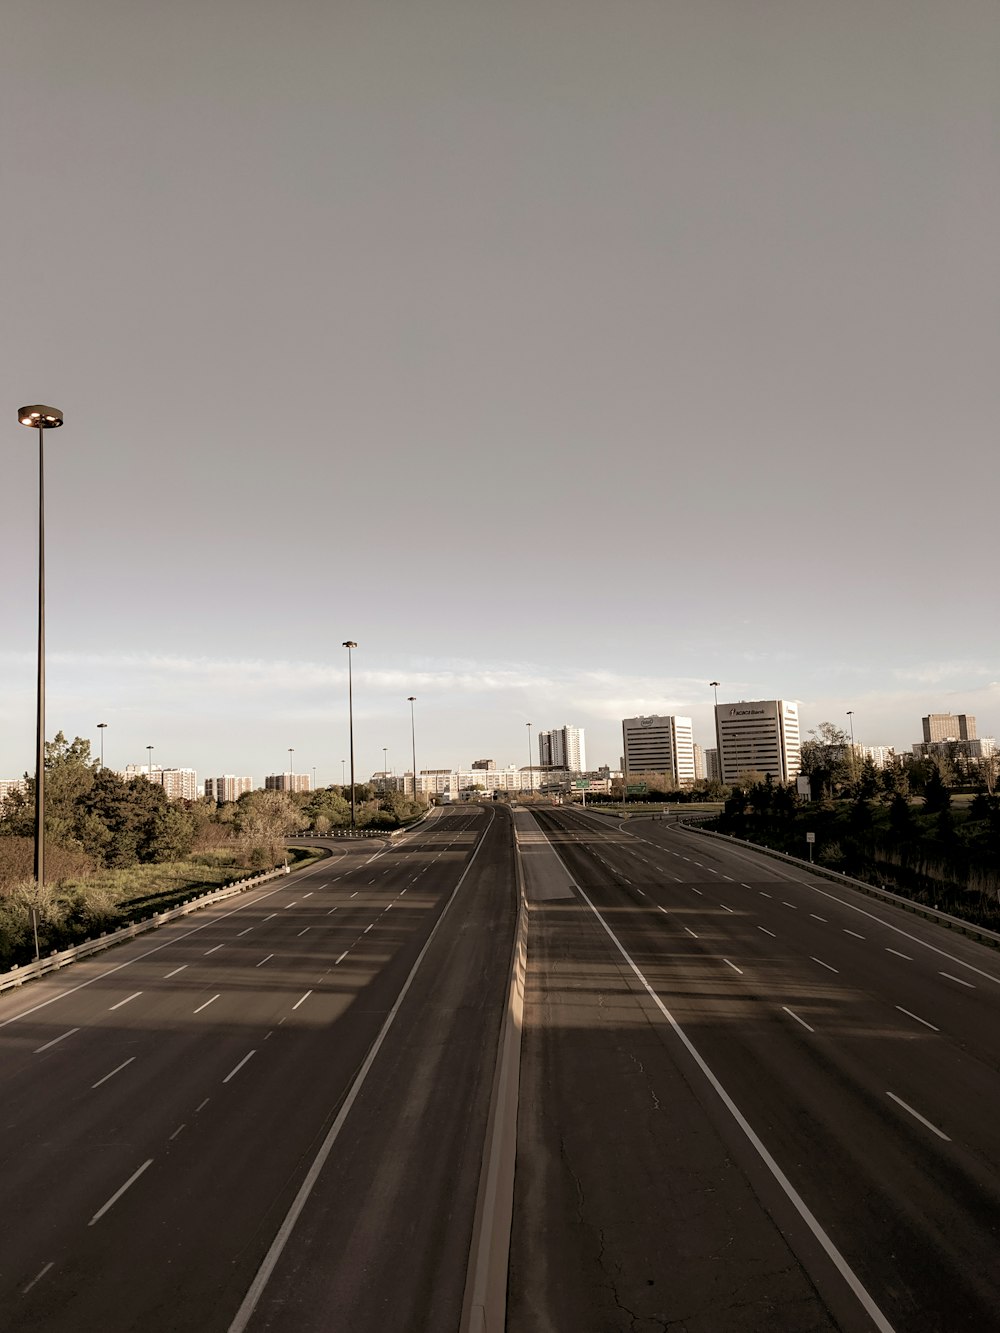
(566, 364)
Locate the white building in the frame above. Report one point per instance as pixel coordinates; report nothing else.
(179, 784)
(453, 781)
(287, 782)
(759, 736)
(227, 788)
(660, 744)
(563, 747)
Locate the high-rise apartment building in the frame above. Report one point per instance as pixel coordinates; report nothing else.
(484, 765)
(563, 747)
(699, 763)
(227, 788)
(949, 727)
(660, 744)
(179, 784)
(287, 782)
(759, 736)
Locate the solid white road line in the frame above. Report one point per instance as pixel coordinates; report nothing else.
(239, 1066)
(792, 1014)
(54, 1042)
(119, 1192)
(958, 979)
(207, 1003)
(113, 1073)
(917, 1116)
(798, 1203)
(133, 996)
(918, 1019)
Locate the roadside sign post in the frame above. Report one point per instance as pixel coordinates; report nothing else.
(810, 839)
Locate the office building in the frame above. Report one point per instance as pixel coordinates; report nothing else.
(758, 736)
(563, 747)
(179, 784)
(286, 782)
(949, 727)
(660, 744)
(699, 763)
(712, 765)
(484, 764)
(227, 788)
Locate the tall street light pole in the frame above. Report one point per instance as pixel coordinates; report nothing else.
(531, 771)
(850, 714)
(149, 761)
(385, 769)
(40, 418)
(102, 727)
(349, 644)
(714, 685)
(411, 699)
(291, 768)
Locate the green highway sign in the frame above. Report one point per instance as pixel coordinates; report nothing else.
(636, 789)
(581, 784)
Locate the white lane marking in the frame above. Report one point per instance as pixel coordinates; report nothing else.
(733, 966)
(303, 1000)
(207, 1003)
(308, 895)
(852, 932)
(687, 928)
(898, 954)
(763, 894)
(239, 1066)
(357, 891)
(729, 877)
(744, 886)
(642, 891)
(728, 909)
(699, 865)
(663, 909)
(175, 971)
(288, 905)
(627, 881)
(698, 892)
(838, 1260)
(367, 928)
(302, 932)
(244, 932)
(37, 1278)
(271, 917)
(331, 911)
(54, 1042)
(214, 949)
(202, 1105)
(958, 979)
(119, 1192)
(342, 957)
(917, 1116)
(768, 932)
(263, 960)
(918, 1018)
(822, 964)
(175, 1133)
(791, 905)
(113, 1073)
(134, 996)
(818, 918)
(797, 1019)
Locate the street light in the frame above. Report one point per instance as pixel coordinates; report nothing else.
(531, 771)
(714, 685)
(101, 727)
(349, 644)
(411, 699)
(385, 769)
(343, 772)
(41, 418)
(149, 761)
(291, 768)
(854, 775)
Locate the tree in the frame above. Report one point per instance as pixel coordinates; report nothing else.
(937, 797)
(263, 821)
(825, 759)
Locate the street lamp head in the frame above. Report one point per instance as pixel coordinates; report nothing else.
(411, 698)
(102, 725)
(714, 684)
(349, 643)
(40, 416)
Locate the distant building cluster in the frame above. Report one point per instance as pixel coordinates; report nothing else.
(227, 788)
(179, 784)
(287, 782)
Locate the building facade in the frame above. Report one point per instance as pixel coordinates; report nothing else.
(287, 782)
(563, 747)
(227, 788)
(179, 784)
(758, 736)
(949, 727)
(660, 744)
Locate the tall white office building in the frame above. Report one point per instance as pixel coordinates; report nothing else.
(660, 744)
(564, 747)
(760, 736)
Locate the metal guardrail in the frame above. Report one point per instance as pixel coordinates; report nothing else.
(969, 928)
(60, 958)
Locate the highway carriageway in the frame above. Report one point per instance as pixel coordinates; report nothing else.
(326, 1042)
(750, 1098)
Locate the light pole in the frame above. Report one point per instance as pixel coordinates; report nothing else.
(291, 768)
(411, 699)
(314, 777)
(41, 418)
(102, 727)
(343, 772)
(149, 761)
(349, 644)
(714, 686)
(531, 771)
(385, 769)
(854, 777)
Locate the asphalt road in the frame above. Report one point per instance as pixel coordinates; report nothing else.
(751, 1099)
(164, 1105)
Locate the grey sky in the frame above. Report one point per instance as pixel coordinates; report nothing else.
(567, 356)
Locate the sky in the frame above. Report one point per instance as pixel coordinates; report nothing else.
(565, 355)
